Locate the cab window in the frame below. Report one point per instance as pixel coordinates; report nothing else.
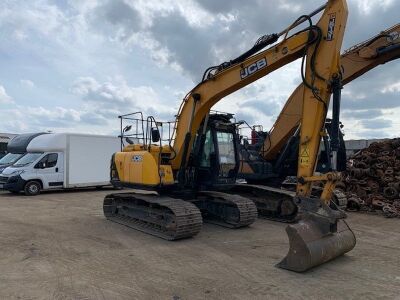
(208, 150)
(48, 161)
(226, 148)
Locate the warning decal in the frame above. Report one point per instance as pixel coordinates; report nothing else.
(331, 27)
(304, 156)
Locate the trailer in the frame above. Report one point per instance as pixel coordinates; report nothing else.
(61, 161)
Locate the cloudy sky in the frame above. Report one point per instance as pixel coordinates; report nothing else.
(72, 65)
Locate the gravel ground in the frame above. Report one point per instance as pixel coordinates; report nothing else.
(59, 246)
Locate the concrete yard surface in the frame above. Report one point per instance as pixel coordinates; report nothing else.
(59, 246)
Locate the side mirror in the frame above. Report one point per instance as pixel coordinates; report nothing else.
(155, 135)
(127, 128)
(129, 141)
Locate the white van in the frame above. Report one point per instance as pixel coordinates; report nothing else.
(61, 161)
(16, 148)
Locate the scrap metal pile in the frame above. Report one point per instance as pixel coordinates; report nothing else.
(372, 181)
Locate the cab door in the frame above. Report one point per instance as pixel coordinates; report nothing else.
(48, 170)
(207, 172)
(227, 155)
(60, 169)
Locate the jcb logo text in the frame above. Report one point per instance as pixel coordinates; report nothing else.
(247, 71)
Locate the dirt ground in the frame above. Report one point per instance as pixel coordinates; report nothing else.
(59, 246)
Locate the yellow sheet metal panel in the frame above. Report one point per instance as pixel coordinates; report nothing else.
(135, 167)
(133, 147)
(167, 177)
(141, 168)
(119, 159)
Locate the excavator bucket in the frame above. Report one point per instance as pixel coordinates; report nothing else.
(321, 235)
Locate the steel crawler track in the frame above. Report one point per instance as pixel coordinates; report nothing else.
(164, 217)
(228, 210)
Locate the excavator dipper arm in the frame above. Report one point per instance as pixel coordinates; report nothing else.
(355, 62)
(321, 233)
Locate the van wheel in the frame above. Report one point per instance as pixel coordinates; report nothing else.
(32, 188)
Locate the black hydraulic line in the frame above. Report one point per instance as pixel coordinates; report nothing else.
(328, 150)
(121, 136)
(335, 142)
(199, 148)
(303, 19)
(376, 38)
(286, 151)
(262, 42)
(388, 49)
(186, 143)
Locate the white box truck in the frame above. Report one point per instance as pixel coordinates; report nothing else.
(62, 161)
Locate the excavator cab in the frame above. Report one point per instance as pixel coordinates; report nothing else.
(214, 159)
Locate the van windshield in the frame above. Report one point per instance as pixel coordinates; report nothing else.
(27, 159)
(10, 158)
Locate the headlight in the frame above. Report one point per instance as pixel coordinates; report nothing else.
(18, 172)
(1, 169)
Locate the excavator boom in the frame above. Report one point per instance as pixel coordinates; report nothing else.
(232, 76)
(199, 101)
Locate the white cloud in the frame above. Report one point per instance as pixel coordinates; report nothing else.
(39, 16)
(27, 83)
(59, 119)
(4, 98)
(101, 103)
(290, 6)
(84, 85)
(57, 114)
(391, 88)
(115, 92)
(368, 6)
(20, 35)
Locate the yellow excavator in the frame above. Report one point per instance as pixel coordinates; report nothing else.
(270, 156)
(189, 171)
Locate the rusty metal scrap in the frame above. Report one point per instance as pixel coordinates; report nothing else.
(372, 180)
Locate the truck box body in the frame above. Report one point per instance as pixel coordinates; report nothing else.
(77, 160)
(86, 157)
(20, 142)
